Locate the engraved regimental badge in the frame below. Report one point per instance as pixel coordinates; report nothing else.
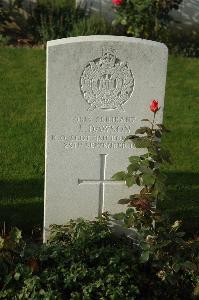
(106, 82)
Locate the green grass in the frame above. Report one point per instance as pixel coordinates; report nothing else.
(22, 122)
(181, 116)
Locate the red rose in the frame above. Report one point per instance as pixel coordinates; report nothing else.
(117, 2)
(154, 106)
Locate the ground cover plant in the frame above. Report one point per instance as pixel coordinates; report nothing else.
(22, 122)
(88, 260)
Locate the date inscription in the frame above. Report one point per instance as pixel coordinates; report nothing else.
(101, 132)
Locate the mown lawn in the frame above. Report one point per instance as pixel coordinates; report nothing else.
(22, 119)
(22, 122)
(181, 116)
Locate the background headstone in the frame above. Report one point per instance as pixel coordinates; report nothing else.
(98, 90)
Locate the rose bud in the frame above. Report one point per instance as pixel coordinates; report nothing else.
(154, 106)
(117, 2)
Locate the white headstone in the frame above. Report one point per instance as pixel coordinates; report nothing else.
(98, 90)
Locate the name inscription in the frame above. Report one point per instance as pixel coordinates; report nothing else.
(101, 132)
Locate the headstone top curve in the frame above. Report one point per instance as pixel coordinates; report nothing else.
(105, 38)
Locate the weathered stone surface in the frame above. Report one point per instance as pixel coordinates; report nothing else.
(98, 90)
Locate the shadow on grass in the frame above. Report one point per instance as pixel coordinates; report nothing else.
(27, 216)
(19, 189)
(183, 199)
(21, 202)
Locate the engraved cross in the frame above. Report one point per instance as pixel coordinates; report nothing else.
(101, 182)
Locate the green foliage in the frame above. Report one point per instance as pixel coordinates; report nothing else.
(184, 41)
(144, 170)
(22, 160)
(52, 19)
(91, 25)
(145, 18)
(161, 245)
(13, 21)
(151, 19)
(49, 19)
(4, 40)
(82, 260)
(22, 169)
(86, 260)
